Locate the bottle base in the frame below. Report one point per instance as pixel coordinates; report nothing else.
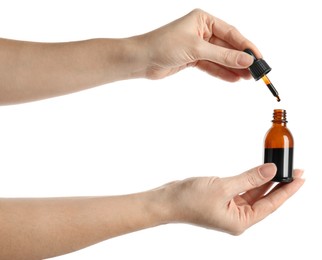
(284, 180)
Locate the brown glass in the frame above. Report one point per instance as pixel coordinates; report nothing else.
(279, 145)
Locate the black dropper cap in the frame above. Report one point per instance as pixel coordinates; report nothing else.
(259, 68)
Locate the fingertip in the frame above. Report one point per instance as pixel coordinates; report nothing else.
(298, 173)
(254, 49)
(267, 170)
(254, 177)
(244, 60)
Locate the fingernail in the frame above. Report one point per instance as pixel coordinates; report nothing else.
(268, 170)
(244, 60)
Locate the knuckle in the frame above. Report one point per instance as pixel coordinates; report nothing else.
(225, 188)
(237, 232)
(229, 57)
(232, 30)
(251, 179)
(197, 11)
(226, 56)
(197, 50)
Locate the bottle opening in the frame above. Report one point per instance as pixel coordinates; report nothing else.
(279, 116)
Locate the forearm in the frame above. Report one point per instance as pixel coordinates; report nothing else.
(31, 71)
(43, 228)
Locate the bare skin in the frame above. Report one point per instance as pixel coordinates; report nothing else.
(42, 228)
(31, 71)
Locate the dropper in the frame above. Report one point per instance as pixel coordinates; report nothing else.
(259, 69)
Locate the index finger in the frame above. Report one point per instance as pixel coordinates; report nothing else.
(232, 36)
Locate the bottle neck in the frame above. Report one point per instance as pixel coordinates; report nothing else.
(279, 124)
(279, 117)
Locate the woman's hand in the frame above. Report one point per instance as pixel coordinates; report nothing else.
(202, 40)
(230, 204)
(32, 71)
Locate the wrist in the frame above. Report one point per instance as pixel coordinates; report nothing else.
(137, 56)
(127, 59)
(161, 205)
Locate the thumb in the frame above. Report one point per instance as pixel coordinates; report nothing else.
(226, 57)
(252, 178)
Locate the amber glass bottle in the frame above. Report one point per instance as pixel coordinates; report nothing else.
(279, 146)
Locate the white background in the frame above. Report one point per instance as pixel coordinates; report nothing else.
(135, 135)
